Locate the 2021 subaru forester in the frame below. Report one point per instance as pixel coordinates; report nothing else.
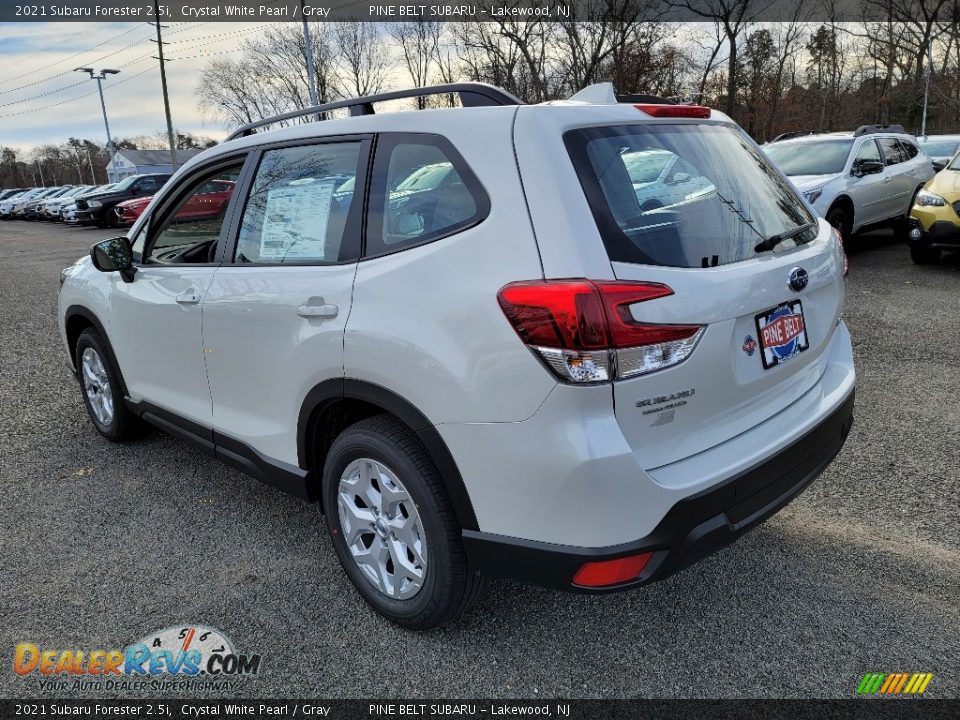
(472, 337)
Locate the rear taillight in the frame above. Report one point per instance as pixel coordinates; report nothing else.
(584, 330)
(677, 111)
(843, 251)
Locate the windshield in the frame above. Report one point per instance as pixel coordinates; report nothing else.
(954, 164)
(716, 201)
(823, 157)
(940, 148)
(126, 182)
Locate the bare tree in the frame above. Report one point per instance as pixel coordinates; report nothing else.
(364, 58)
(419, 44)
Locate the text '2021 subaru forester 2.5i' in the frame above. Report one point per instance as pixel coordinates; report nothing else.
(460, 332)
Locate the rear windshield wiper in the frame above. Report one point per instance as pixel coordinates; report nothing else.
(771, 242)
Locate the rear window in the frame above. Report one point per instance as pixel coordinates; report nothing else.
(713, 201)
(940, 148)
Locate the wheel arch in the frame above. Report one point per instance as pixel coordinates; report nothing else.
(334, 404)
(78, 318)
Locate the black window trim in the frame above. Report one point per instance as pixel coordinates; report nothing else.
(352, 243)
(173, 197)
(376, 190)
(883, 151)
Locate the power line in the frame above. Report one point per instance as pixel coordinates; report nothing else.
(78, 97)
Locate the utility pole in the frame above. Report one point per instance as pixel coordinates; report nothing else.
(926, 90)
(93, 175)
(40, 168)
(308, 48)
(103, 106)
(163, 82)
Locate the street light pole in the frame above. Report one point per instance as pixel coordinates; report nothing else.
(103, 106)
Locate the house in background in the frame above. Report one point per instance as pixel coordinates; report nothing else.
(138, 162)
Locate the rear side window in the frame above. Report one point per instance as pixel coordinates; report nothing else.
(713, 201)
(299, 205)
(422, 191)
(891, 151)
(908, 149)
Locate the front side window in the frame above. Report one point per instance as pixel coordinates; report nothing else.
(820, 157)
(718, 199)
(868, 152)
(422, 191)
(299, 205)
(189, 231)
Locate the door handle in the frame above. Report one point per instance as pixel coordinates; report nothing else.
(317, 308)
(188, 297)
(887, 179)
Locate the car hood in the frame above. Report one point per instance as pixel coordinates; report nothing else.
(946, 183)
(811, 182)
(136, 202)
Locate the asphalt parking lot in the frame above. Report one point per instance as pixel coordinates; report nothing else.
(101, 543)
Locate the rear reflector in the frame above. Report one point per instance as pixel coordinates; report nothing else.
(584, 331)
(611, 572)
(679, 111)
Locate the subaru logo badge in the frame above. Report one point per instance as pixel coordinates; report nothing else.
(798, 279)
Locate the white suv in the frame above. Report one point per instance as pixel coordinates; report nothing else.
(856, 180)
(498, 366)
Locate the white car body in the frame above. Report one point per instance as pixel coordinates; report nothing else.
(534, 466)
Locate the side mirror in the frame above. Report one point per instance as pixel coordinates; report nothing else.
(939, 165)
(867, 167)
(114, 255)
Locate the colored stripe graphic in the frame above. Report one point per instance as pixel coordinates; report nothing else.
(894, 683)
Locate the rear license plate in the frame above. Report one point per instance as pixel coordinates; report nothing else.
(782, 332)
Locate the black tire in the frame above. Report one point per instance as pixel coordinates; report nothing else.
(837, 217)
(924, 255)
(124, 425)
(448, 585)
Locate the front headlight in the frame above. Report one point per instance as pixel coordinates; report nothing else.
(94, 203)
(926, 198)
(811, 196)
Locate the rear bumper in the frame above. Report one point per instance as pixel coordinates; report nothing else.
(695, 527)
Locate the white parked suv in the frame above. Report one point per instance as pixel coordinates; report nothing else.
(514, 371)
(856, 180)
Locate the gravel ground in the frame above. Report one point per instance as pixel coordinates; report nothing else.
(102, 543)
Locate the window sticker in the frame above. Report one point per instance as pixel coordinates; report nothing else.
(295, 222)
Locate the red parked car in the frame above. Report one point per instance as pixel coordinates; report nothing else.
(209, 201)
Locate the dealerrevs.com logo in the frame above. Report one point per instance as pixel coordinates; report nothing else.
(185, 657)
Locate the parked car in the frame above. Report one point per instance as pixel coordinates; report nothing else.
(27, 209)
(49, 209)
(7, 206)
(68, 213)
(935, 217)
(856, 180)
(940, 148)
(99, 207)
(661, 178)
(9, 192)
(209, 202)
(519, 373)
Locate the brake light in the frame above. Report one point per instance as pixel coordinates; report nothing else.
(843, 250)
(611, 572)
(584, 331)
(678, 111)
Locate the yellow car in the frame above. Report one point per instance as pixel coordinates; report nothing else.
(935, 215)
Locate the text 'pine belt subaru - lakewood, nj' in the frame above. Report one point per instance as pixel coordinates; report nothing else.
(583, 343)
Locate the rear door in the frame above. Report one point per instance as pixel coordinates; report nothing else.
(274, 316)
(763, 339)
(897, 180)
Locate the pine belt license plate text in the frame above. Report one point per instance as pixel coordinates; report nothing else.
(782, 333)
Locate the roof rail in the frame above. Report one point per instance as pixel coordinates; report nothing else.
(472, 94)
(871, 129)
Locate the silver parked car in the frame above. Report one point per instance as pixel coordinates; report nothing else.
(856, 179)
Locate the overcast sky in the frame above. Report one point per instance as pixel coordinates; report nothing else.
(37, 59)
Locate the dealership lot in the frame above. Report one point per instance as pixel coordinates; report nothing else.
(101, 544)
